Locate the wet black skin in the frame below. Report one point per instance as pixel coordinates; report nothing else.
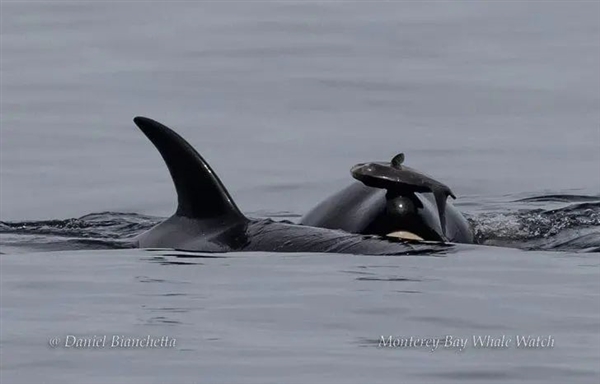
(400, 179)
(207, 219)
(369, 210)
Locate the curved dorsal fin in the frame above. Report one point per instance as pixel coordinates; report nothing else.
(200, 193)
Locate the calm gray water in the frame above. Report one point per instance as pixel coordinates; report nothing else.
(498, 99)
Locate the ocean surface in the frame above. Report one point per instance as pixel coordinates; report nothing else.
(498, 99)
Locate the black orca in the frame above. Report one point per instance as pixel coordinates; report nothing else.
(207, 219)
(394, 200)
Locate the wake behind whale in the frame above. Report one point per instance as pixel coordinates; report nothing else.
(574, 227)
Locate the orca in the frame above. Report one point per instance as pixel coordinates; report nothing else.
(208, 220)
(393, 200)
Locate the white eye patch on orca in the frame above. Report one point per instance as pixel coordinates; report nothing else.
(404, 235)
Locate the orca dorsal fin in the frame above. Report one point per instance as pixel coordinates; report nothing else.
(200, 193)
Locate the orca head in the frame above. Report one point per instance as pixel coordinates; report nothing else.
(407, 215)
(405, 204)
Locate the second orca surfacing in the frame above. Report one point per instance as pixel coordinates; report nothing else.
(208, 220)
(394, 200)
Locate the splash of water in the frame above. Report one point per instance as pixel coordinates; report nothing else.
(571, 227)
